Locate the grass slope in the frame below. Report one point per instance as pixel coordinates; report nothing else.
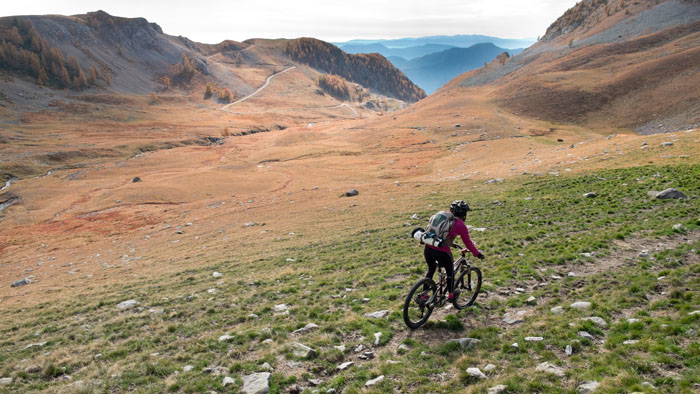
(537, 230)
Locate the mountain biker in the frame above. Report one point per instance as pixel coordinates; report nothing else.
(443, 255)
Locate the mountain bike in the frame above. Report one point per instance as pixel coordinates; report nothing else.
(425, 295)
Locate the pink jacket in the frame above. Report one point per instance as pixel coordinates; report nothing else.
(459, 228)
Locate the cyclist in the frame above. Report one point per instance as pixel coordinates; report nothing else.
(443, 255)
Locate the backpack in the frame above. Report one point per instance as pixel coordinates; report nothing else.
(440, 226)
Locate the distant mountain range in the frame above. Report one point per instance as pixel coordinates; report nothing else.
(432, 61)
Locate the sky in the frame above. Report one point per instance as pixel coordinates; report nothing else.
(212, 21)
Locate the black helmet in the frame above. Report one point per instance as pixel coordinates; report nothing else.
(459, 208)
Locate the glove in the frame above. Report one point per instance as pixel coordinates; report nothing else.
(480, 256)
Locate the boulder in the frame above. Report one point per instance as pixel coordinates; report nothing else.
(671, 193)
(128, 304)
(548, 367)
(256, 383)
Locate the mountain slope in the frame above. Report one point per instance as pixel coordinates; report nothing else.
(406, 53)
(631, 65)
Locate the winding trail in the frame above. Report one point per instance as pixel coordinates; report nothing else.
(267, 81)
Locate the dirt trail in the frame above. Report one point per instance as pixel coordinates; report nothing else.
(267, 82)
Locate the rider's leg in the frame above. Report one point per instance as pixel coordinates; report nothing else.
(445, 261)
(430, 260)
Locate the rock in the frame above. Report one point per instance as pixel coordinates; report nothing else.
(514, 317)
(228, 380)
(266, 367)
(38, 344)
(497, 389)
(586, 335)
(5, 381)
(587, 387)
(630, 342)
(633, 320)
(534, 339)
(557, 310)
(351, 193)
(367, 356)
(253, 316)
(359, 348)
(377, 335)
(403, 348)
(249, 224)
(694, 313)
(568, 350)
(489, 367)
(315, 382)
(344, 365)
(256, 383)
(652, 193)
(678, 228)
(280, 308)
(128, 304)
(377, 315)
(531, 300)
(548, 367)
(340, 347)
(599, 321)
(393, 362)
(294, 389)
(515, 345)
(590, 195)
(187, 368)
(581, 305)
(465, 343)
(476, 373)
(217, 275)
(267, 341)
(667, 143)
(216, 371)
(671, 193)
(225, 337)
(302, 351)
(305, 329)
(136, 179)
(414, 217)
(212, 291)
(649, 385)
(22, 282)
(374, 381)
(496, 180)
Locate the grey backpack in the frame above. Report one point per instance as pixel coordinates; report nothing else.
(441, 224)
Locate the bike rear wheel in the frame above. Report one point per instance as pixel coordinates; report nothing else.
(467, 287)
(419, 303)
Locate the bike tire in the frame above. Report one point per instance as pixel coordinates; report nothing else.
(415, 313)
(467, 287)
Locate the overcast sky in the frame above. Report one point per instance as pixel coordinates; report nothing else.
(212, 21)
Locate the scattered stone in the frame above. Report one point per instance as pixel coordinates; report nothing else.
(5, 381)
(228, 380)
(557, 310)
(694, 313)
(571, 274)
(531, 300)
(315, 382)
(187, 368)
(476, 372)
(377, 315)
(671, 193)
(217, 275)
(212, 291)
(548, 367)
(38, 344)
(359, 348)
(225, 337)
(668, 143)
(306, 328)
(465, 343)
(497, 389)
(216, 371)
(568, 350)
(393, 362)
(489, 367)
(136, 179)
(490, 181)
(289, 260)
(402, 347)
(581, 305)
(515, 345)
(555, 277)
(253, 316)
(294, 389)
(128, 304)
(374, 381)
(633, 320)
(351, 193)
(630, 342)
(414, 217)
(340, 347)
(249, 224)
(367, 356)
(599, 321)
(344, 365)
(649, 385)
(302, 351)
(533, 339)
(266, 367)
(377, 335)
(22, 282)
(256, 383)
(590, 195)
(586, 335)
(267, 341)
(587, 387)
(365, 300)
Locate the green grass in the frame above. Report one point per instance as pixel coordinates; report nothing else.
(535, 227)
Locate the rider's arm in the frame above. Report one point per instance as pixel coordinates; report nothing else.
(461, 230)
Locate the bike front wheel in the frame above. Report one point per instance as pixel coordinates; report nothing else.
(419, 303)
(467, 287)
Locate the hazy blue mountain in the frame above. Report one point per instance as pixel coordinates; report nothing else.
(455, 41)
(432, 71)
(406, 53)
